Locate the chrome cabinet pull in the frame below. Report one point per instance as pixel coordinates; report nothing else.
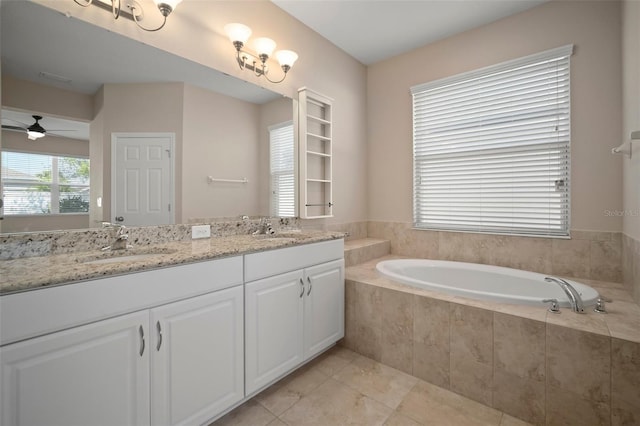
(142, 344)
(302, 288)
(159, 329)
(310, 285)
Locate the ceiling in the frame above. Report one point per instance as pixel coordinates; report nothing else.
(375, 30)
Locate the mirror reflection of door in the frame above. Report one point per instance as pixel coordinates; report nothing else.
(142, 178)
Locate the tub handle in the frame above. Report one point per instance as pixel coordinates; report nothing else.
(600, 307)
(553, 307)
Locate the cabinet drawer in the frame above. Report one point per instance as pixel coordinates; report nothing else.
(34, 313)
(273, 262)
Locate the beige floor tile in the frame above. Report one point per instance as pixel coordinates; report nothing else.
(248, 414)
(431, 405)
(281, 396)
(334, 403)
(397, 419)
(507, 420)
(334, 360)
(384, 384)
(277, 422)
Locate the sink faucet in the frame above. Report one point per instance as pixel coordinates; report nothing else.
(264, 227)
(573, 295)
(121, 237)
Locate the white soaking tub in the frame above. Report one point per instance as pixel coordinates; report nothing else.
(483, 282)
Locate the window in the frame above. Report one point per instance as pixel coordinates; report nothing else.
(36, 184)
(282, 170)
(491, 148)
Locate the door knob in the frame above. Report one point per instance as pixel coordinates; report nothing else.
(119, 219)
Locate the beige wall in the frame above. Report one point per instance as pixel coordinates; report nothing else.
(594, 29)
(220, 139)
(46, 100)
(322, 67)
(631, 114)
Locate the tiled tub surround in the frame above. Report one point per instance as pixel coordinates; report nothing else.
(29, 273)
(588, 254)
(631, 265)
(541, 367)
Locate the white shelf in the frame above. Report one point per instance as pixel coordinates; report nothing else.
(319, 154)
(315, 155)
(324, 138)
(318, 119)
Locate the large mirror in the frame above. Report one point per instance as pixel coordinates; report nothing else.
(91, 87)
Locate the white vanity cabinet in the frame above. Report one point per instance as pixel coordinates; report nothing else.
(97, 374)
(177, 359)
(294, 308)
(197, 362)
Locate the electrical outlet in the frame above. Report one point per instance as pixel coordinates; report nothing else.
(200, 231)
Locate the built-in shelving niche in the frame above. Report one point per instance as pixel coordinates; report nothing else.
(315, 154)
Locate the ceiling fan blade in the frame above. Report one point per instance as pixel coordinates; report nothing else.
(15, 121)
(15, 128)
(62, 130)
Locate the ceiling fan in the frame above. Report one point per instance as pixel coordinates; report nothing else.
(34, 131)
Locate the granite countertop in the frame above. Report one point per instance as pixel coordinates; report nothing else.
(37, 272)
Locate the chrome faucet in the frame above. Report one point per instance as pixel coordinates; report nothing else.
(573, 295)
(264, 227)
(121, 236)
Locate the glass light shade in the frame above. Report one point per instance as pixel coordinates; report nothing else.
(286, 57)
(264, 46)
(171, 3)
(237, 32)
(34, 135)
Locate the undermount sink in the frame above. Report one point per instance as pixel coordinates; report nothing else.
(118, 259)
(274, 237)
(118, 256)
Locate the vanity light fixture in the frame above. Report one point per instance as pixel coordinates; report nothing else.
(136, 14)
(239, 35)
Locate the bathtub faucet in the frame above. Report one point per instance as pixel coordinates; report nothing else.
(572, 293)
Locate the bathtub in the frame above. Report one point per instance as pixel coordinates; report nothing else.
(483, 282)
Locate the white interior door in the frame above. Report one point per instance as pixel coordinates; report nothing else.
(142, 178)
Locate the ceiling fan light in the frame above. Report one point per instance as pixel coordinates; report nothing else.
(33, 135)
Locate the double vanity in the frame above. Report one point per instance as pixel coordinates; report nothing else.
(177, 333)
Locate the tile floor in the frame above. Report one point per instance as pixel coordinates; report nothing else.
(342, 387)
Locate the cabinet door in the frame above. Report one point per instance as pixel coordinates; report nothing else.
(97, 374)
(323, 306)
(197, 360)
(273, 332)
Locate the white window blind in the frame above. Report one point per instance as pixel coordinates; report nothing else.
(282, 170)
(491, 148)
(37, 184)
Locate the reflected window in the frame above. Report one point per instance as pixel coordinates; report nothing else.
(37, 184)
(281, 146)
